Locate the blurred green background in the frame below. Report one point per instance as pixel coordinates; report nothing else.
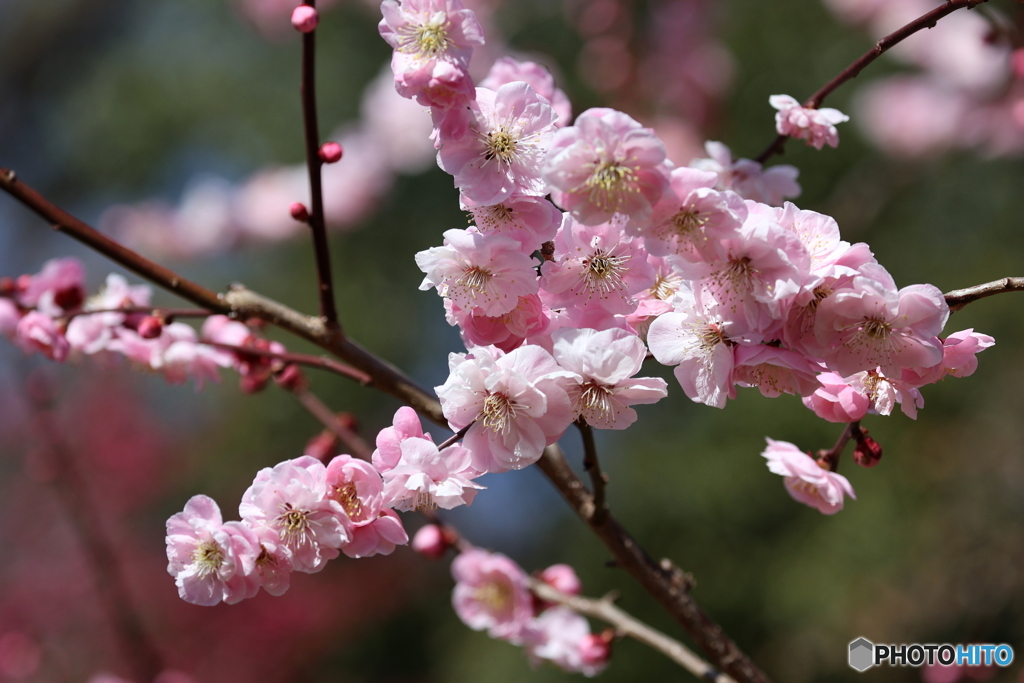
(107, 101)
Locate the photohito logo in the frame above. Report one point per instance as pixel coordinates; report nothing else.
(864, 654)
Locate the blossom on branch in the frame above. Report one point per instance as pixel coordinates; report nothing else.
(816, 126)
(807, 481)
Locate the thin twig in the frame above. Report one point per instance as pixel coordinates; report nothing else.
(959, 298)
(356, 445)
(593, 468)
(325, 282)
(321, 362)
(166, 314)
(831, 457)
(455, 437)
(926, 20)
(630, 627)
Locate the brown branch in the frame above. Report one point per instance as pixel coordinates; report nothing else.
(325, 282)
(831, 456)
(356, 445)
(664, 581)
(321, 362)
(926, 20)
(629, 626)
(68, 224)
(592, 466)
(959, 298)
(166, 314)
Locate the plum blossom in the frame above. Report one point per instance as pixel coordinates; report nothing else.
(291, 498)
(405, 425)
(531, 221)
(516, 402)
(530, 318)
(836, 401)
(885, 392)
(58, 287)
(491, 593)
(805, 480)
(426, 478)
(209, 559)
(500, 154)
(774, 371)
(37, 332)
(563, 637)
(959, 358)
(748, 178)
(433, 41)
(606, 362)
(510, 70)
(562, 577)
(606, 163)
(817, 126)
(92, 333)
(380, 537)
(488, 272)
(9, 317)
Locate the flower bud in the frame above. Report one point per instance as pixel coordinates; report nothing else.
(323, 446)
(596, 649)
(330, 152)
(431, 541)
(150, 327)
(253, 384)
(291, 378)
(305, 18)
(562, 577)
(7, 287)
(299, 212)
(868, 451)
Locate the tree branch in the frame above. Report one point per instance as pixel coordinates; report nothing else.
(959, 298)
(325, 282)
(593, 468)
(926, 20)
(631, 627)
(356, 445)
(321, 362)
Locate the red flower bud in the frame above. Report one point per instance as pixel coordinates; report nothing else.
(305, 18)
(868, 451)
(150, 327)
(299, 212)
(330, 152)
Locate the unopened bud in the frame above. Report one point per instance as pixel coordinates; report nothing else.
(431, 541)
(323, 446)
(562, 577)
(596, 649)
(299, 212)
(330, 152)
(868, 451)
(291, 378)
(22, 283)
(253, 384)
(305, 18)
(7, 286)
(150, 327)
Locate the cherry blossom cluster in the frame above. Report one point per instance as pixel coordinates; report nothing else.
(699, 261)
(492, 593)
(49, 313)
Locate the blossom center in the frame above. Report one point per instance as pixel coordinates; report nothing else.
(427, 40)
(475, 279)
(877, 329)
(494, 217)
(496, 596)
(665, 286)
(687, 222)
(595, 403)
(607, 183)
(498, 413)
(208, 557)
(347, 496)
(501, 145)
(710, 336)
(603, 272)
(294, 525)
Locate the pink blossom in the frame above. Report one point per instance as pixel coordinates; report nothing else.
(596, 266)
(773, 370)
(562, 577)
(38, 332)
(817, 126)
(272, 568)
(93, 333)
(9, 317)
(606, 163)
(748, 178)
(959, 358)
(209, 559)
(178, 355)
(560, 636)
(836, 401)
(433, 41)
(510, 70)
(379, 537)
(357, 486)
(501, 153)
(529, 318)
(490, 593)
(58, 287)
(291, 498)
(606, 362)
(805, 480)
(406, 425)
(431, 541)
(516, 403)
(488, 272)
(885, 392)
(531, 221)
(426, 478)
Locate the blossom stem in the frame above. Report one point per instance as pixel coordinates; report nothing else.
(593, 468)
(959, 298)
(325, 282)
(357, 447)
(831, 456)
(321, 362)
(926, 20)
(629, 626)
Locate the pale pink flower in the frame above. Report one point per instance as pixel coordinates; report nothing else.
(357, 486)
(92, 333)
(654, 301)
(606, 163)
(529, 318)
(433, 41)
(406, 425)
(606, 363)
(885, 392)
(531, 221)
(58, 287)
(501, 153)
(426, 478)
(9, 317)
(209, 559)
(748, 178)
(291, 498)
(596, 266)
(692, 218)
(379, 537)
(817, 126)
(562, 577)
(559, 636)
(774, 371)
(870, 324)
(836, 401)
(178, 354)
(36, 332)
(959, 358)
(516, 403)
(510, 70)
(474, 270)
(272, 568)
(805, 480)
(491, 593)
